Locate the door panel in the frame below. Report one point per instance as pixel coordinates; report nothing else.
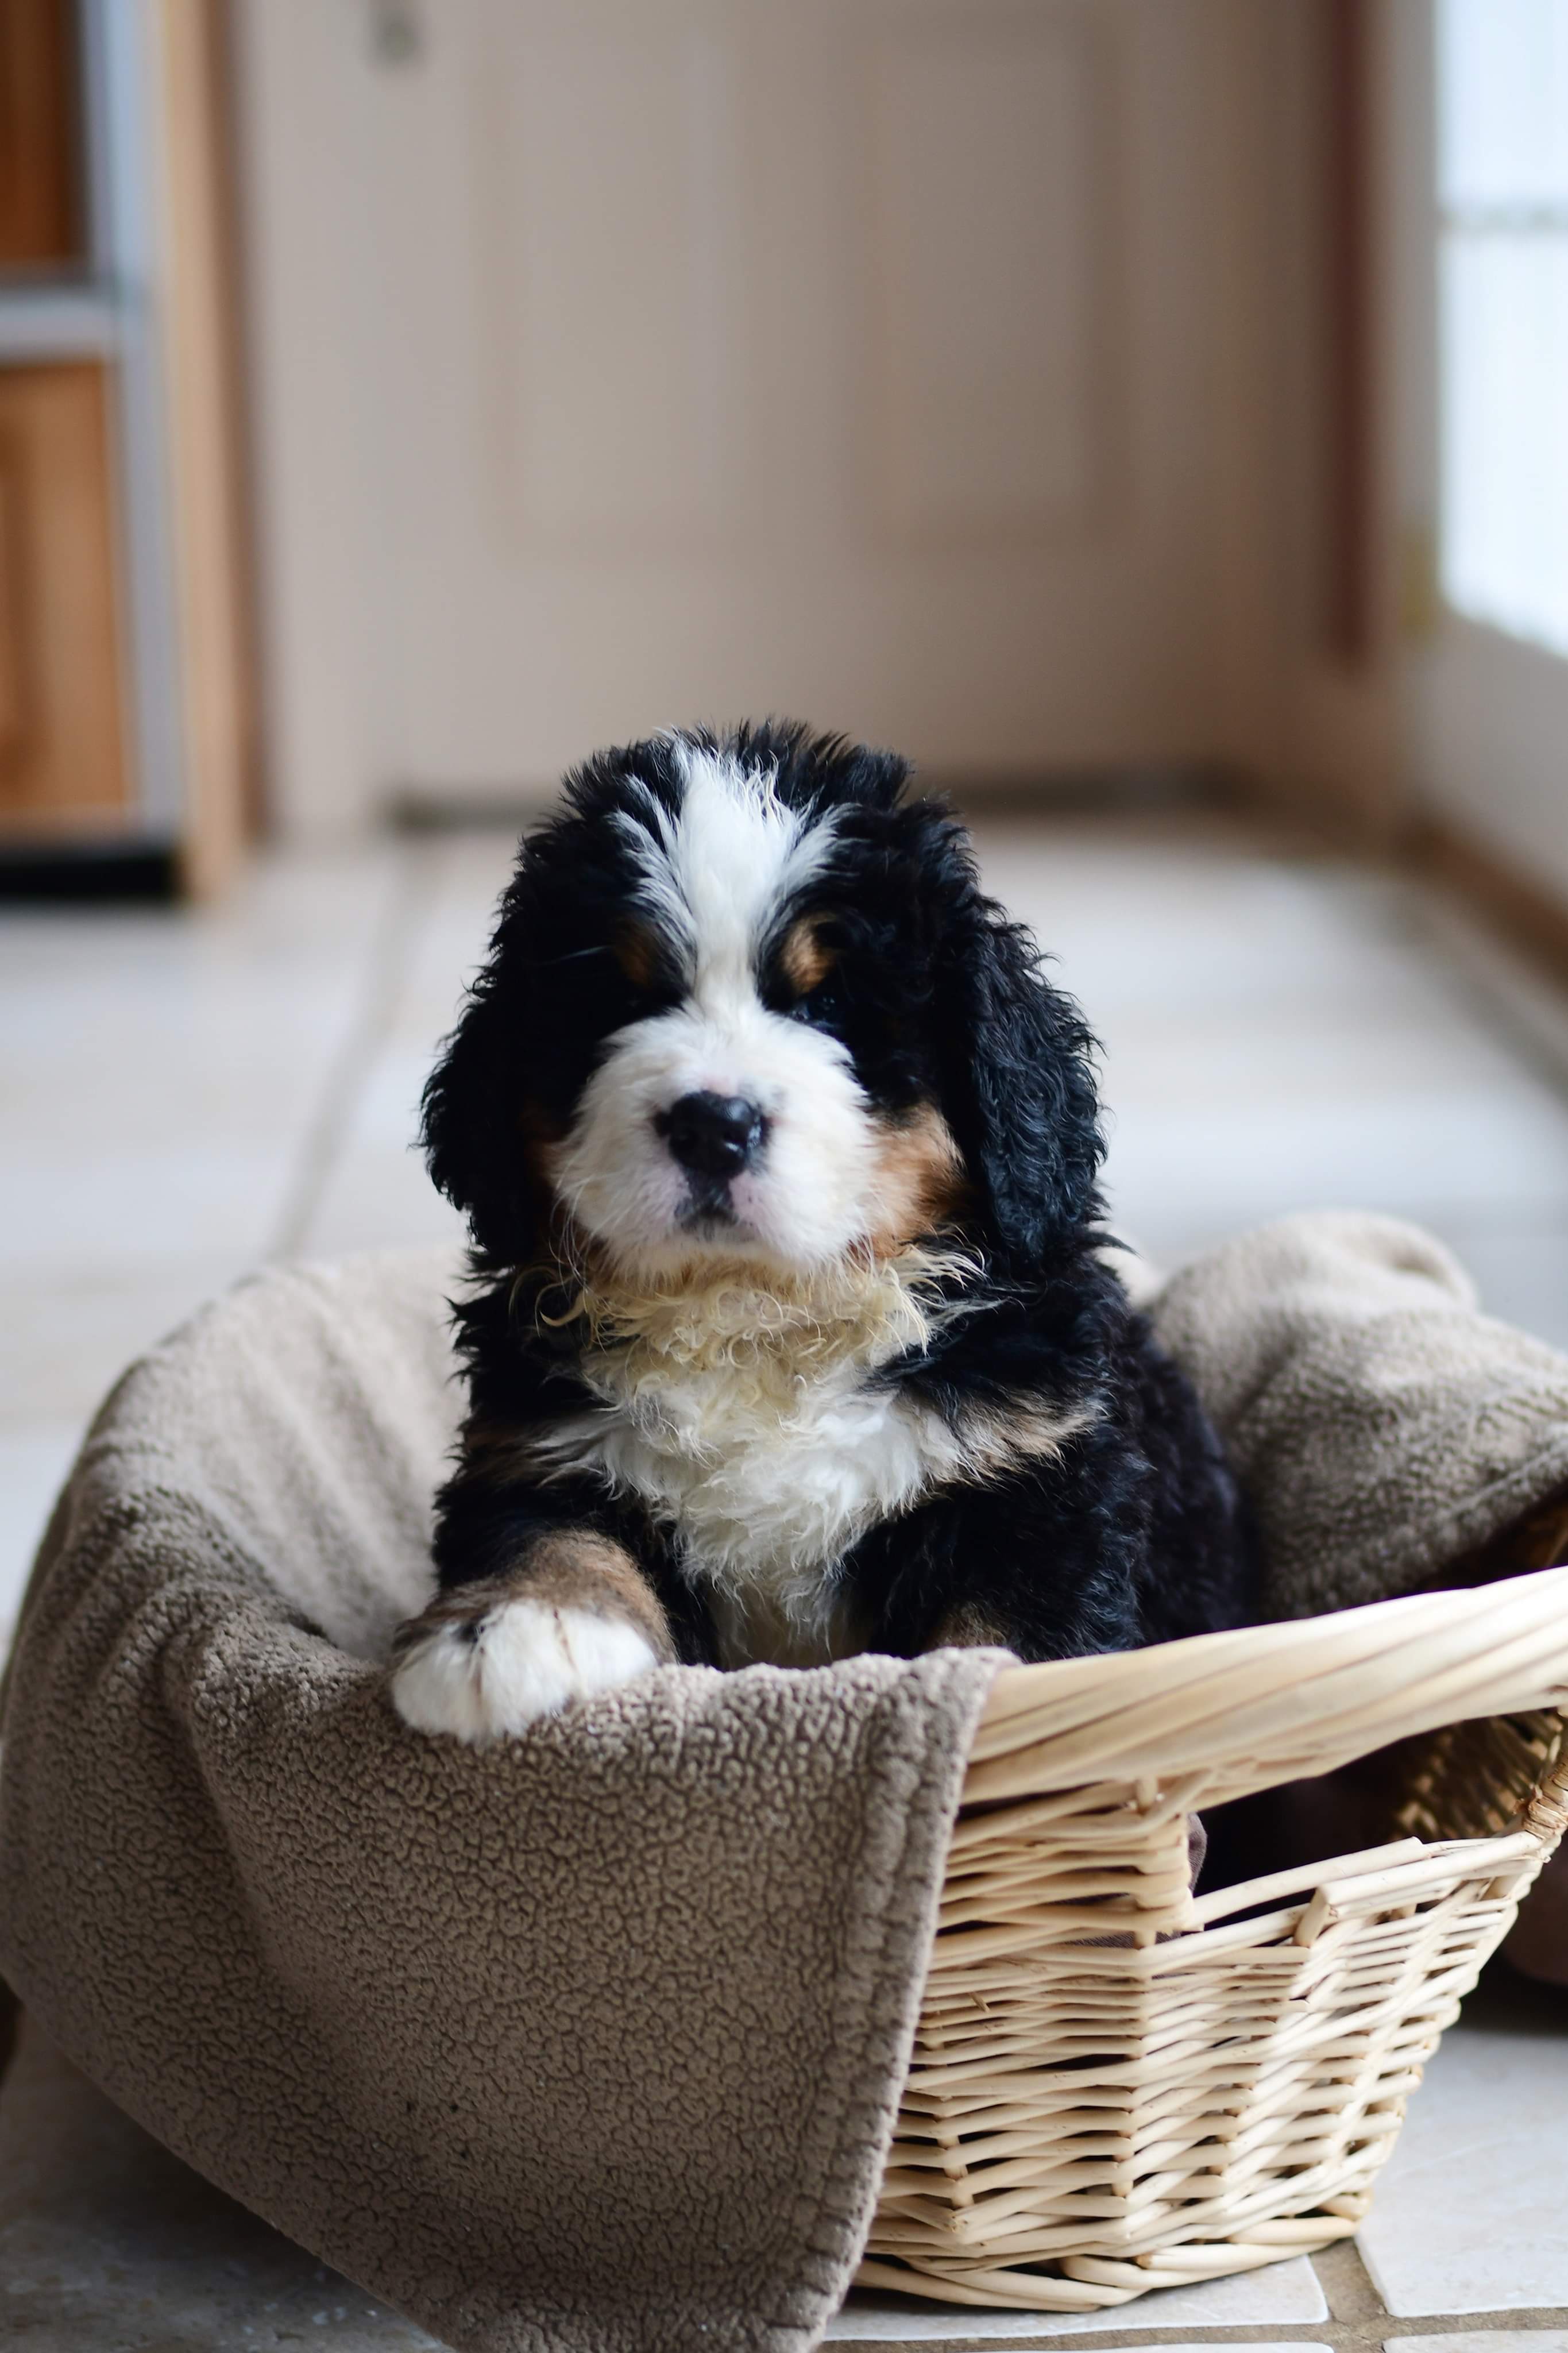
(690, 358)
(42, 222)
(61, 734)
(986, 152)
(614, 311)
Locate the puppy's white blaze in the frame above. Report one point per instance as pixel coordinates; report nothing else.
(712, 872)
(738, 851)
(716, 874)
(528, 1660)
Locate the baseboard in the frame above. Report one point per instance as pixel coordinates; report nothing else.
(126, 872)
(1150, 786)
(1529, 918)
(1123, 789)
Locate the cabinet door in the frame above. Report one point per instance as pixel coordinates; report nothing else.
(62, 748)
(42, 215)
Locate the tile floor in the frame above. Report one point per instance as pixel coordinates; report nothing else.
(182, 1096)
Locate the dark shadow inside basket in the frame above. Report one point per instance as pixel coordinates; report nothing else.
(1464, 1780)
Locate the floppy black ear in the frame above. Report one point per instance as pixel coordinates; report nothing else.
(482, 1122)
(461, 1128)
(1023, 1101)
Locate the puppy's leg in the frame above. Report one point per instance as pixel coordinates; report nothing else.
(970, 1626)
(575, 1616)
(1040, 1561)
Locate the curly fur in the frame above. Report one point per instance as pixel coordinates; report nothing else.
(776, 1331)
(808, 1426)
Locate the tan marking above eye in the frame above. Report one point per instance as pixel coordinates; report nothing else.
(635, 949)
(807, 958)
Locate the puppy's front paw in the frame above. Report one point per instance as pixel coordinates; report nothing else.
(480, 1664)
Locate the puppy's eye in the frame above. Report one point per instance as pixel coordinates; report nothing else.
(820, 1006)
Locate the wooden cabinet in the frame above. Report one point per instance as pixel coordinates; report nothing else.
(42, 212)
(126, 726)
(62, 742)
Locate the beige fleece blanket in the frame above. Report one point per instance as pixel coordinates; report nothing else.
(593, 2041)
(1380, 1424)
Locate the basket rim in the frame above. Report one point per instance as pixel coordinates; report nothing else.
(1263, 1703)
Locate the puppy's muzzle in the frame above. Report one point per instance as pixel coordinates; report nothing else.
(713, 1137)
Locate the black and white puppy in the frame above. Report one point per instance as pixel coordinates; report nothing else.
(791, 1333)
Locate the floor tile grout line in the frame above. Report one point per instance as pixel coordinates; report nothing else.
(1197, 2332)
(409, 904)
(1346, 2333)
(1147, 2336)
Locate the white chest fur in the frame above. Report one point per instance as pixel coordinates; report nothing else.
(769, 1458)
(765, 1501)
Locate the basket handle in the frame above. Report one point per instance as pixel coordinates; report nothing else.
(1244, 1711)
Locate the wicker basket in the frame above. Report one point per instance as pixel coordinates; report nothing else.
(1116, 2086)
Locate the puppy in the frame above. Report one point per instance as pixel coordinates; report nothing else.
(790, 1335)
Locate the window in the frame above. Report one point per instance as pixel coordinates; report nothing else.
(1502, 192)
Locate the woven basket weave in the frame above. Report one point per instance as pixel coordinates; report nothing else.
(1116, 2086)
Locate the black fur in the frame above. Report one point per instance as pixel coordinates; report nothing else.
(1137, 1535)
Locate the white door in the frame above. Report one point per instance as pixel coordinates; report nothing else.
(846, 358)
(1482, 164)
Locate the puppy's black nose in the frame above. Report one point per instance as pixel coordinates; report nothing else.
(714, 1135)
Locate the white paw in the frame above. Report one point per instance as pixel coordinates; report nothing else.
(482, 1677)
